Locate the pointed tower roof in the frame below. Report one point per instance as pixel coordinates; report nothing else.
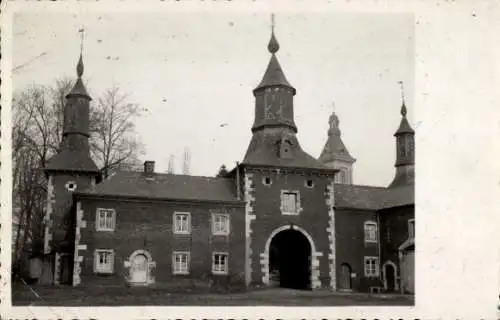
(404, 126)
(335, 148)
(274, 75)
(79, 87)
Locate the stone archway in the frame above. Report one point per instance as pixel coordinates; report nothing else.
(389, 270)
(290, 259)
(140, 265)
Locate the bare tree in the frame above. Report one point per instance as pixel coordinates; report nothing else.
(38, 113)
(114, 142)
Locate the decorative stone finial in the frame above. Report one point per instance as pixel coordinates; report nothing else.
(79, 67)
(403, 109)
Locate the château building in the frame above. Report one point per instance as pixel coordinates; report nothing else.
(279, 218)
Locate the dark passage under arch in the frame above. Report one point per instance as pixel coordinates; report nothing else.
(290, 259)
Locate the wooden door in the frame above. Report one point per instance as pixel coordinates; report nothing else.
(139, 269)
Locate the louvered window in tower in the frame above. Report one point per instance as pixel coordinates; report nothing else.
(402, 146)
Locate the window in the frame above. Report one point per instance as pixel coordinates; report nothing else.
(370, 231)
(106, 219)
(180, 262)
(341, 176)
(103, 261)
(220, 224)
(411, 228)
(309, 183)
(409, 145)
(71, 186)
(371, 267)
(266, 181)
(182, 222)
(289, 202)
(220, 263)
(402, 146)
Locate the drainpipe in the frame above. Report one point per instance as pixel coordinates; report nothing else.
(379, 246)
(238, 192)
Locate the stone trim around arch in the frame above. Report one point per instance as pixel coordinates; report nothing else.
(384, 276)
(151, 266)
(264, 262)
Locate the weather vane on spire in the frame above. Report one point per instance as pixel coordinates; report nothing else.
(403, 106)
(273, 24)
(273, 45)
(401, 85)
(82, 34)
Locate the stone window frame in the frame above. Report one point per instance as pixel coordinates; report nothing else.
(98, 219)
(369, 272)
(297, 202)
(175, 223)
(227, 223)
(179, 271)
(366, 233)
(71, 189)
(307, 185)
(411, 229)
(264, 181)
(104, 270)
(216, 270)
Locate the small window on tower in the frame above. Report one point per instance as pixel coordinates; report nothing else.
(71, 186)
(309, 183)
(266, 181)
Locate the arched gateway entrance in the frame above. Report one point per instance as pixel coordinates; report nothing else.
(290, 260)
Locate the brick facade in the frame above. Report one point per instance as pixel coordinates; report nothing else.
(311, 221)
(147, 225)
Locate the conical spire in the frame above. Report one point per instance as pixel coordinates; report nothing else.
(79, 67)
(404, 126)
(274, 75)
(335, 149)
(405, 149)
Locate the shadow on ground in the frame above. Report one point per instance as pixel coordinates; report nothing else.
(22, 295)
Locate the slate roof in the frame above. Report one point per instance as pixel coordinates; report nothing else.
(263, 150)
(372, 198)
(274, 75)
(166, 186)
(335, 149)
(68, 160)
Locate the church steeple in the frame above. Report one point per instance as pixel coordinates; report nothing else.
(405, 149)
(335, 154)
(274, 94)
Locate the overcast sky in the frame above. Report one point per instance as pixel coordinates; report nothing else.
(196, 71)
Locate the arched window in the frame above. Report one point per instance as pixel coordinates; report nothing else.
(370, 231)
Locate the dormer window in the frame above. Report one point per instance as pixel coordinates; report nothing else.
(285, 148)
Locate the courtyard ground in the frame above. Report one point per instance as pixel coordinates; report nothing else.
(119, 296)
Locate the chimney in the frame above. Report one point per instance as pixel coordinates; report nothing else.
(149, 166)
